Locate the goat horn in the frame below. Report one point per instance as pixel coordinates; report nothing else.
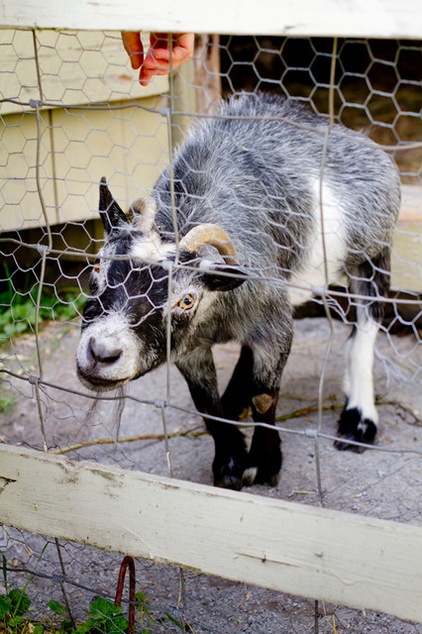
(209, 234)
(147, 209)
(110, 212)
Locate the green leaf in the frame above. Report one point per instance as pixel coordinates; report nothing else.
(86, 627)
(16, 327)
(15, 621)
(57, 608)
(66, 626)
(143, 605)
(106, 618)
(117, 625)
(5, 606)
(175, 621)
(142, 598)
(104, 607)
(20, 601)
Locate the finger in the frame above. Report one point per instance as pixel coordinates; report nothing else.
(159, 40)
(147, 74)
(156, 66)
(182, 46)
(134, 48)
(185, 42)
(155, 62)
(159, 60)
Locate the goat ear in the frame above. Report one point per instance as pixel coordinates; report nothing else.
(223, 277)
(145, 210)
(216, 273)
(111, 214)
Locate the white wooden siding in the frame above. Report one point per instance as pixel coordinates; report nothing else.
(79, 144)
(130, 150)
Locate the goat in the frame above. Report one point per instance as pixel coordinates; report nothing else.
(269, 202)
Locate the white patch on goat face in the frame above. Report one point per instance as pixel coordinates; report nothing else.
(148, 248)
(312, 273)
(108, 353)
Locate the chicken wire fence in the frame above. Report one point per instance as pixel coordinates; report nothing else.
(72, 112)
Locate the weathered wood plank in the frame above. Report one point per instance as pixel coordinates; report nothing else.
(373, 18)
(342, 558)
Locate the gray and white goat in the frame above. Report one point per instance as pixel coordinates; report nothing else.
(269, 205)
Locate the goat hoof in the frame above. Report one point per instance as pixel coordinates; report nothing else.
(229, 482)
(264, 476)
(229, 474)
(270, 479)
(252, 475)
(353, 426)
(268, 473)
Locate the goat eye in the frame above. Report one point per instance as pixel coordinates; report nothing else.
(97, 265)
(186, 302)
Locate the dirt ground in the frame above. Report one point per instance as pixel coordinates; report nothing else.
(379, 484)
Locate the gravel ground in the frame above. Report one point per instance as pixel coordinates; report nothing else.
(377, 484)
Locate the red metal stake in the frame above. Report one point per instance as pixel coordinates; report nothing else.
(127, 561)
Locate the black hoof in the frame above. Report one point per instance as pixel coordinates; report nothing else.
(352, 426)
(254, 475)
(228, 472)
(263, 472)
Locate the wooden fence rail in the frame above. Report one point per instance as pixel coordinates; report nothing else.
(312, 552)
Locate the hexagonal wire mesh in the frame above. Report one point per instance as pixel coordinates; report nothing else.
(71, 112)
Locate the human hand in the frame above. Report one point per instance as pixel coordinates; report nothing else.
(159, 59)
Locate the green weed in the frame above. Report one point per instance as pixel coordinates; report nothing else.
(18, 311)
(14, 605)
(20, 315)
(103, 617)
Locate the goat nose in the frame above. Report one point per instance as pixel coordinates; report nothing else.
(101, 353)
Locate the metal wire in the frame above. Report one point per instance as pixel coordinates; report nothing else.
(48, 395)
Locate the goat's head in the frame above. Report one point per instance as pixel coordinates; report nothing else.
(143, 288)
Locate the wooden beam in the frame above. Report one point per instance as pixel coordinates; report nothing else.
(322, 554)
(355, 18)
